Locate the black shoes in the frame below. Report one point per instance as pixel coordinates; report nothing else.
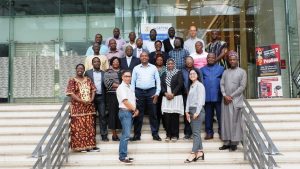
(208, 136)
(230, 147)
(115, 138)
(233, 148)
(105, 139)
(224, 147)
(187, 137)
(157, 138)
(135, 138)
(95, 149)
(197, 158)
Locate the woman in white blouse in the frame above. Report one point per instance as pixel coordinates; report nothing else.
(195, 114)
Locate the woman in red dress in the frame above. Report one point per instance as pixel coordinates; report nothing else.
(82, 91)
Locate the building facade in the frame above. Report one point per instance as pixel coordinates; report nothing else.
(41, 41)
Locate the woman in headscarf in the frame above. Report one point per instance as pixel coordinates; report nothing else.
(82, 92)
(172, 102)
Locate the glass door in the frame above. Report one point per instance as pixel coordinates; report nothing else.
(33, 72)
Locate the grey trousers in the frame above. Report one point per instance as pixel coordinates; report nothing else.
(196, 128)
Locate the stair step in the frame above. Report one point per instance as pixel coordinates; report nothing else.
(279, 118)
(29, 107)
(273, 102)
(277, 110)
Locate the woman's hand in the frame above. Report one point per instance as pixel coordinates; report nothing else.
(195, 116)
(188, 117)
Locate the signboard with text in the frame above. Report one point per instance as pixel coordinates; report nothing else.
(268, 60)
(268, 71)
(161, 29)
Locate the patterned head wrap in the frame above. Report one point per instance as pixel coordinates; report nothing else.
(233, 53)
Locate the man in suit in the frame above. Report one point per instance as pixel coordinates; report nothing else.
(129, 62)
(169, 42)
(97, 76)
(139, 48)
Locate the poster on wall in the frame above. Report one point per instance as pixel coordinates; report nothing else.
(269, 87)
(161, 29)
(268, 60)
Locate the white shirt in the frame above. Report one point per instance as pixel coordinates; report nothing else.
(189, 44)
(138, 52)
(172, 42)
(149, 45)
(133, 45)
(125, 93)
(128, 59)
(97, 80)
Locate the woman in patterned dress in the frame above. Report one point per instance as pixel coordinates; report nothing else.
(82, 92)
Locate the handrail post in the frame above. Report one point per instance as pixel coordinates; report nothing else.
(245, 143)
(48, 160)
(40, 158)
(270, 164)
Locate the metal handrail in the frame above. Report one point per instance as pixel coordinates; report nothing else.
(53, 153)
(296, 76)
(259, 148)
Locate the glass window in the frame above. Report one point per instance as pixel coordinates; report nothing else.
(101, 6)
(4, 27)
(35, 7)
(36, 29)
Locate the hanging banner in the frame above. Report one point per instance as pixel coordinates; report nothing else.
(161, 29)
(269, 87)
(268, 60)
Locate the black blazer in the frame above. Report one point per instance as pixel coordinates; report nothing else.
(90, 74)
(168, 46)
(176, 83)
(134, 61)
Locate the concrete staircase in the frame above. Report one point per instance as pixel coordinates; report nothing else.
(22, 126)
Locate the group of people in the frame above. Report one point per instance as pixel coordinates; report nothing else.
(164, 79)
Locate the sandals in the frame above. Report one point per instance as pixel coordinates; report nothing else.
(202, 156)
(188, 160)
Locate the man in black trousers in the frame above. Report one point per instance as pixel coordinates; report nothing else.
(97, 76)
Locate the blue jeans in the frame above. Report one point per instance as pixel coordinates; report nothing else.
(126, 121)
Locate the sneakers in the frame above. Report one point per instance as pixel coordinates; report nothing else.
(95, 149)
(127, 160)
(167, 139)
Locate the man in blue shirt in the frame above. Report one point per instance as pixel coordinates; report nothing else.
(103, 48)
(212, 74)
(146, 84)
(178, 54)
